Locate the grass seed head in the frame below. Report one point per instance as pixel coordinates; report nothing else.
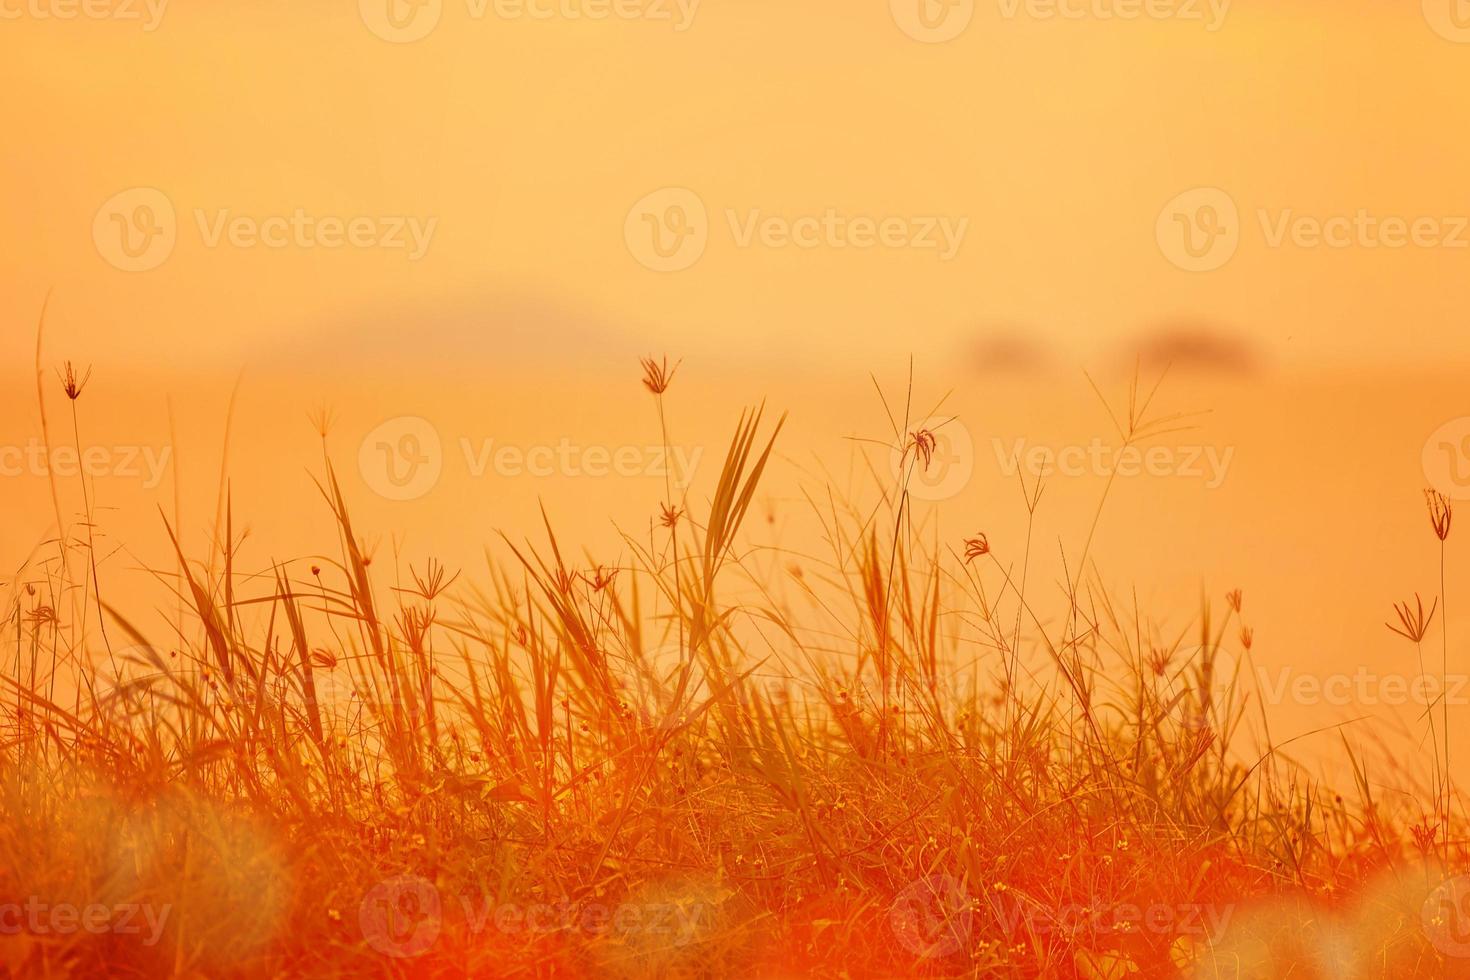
(657, 375)
(1440, 513)
(71, 384)
(976, 547)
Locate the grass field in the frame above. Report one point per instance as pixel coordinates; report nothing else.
(902, 756)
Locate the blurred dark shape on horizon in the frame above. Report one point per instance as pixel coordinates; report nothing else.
(1195, 346)
(465, 333)
(1009, 352)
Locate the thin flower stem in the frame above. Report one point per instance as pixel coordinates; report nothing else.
(1444, 633)
(91, 547)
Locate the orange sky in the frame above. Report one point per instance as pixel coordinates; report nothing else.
(1058, 141)
(461, 229)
